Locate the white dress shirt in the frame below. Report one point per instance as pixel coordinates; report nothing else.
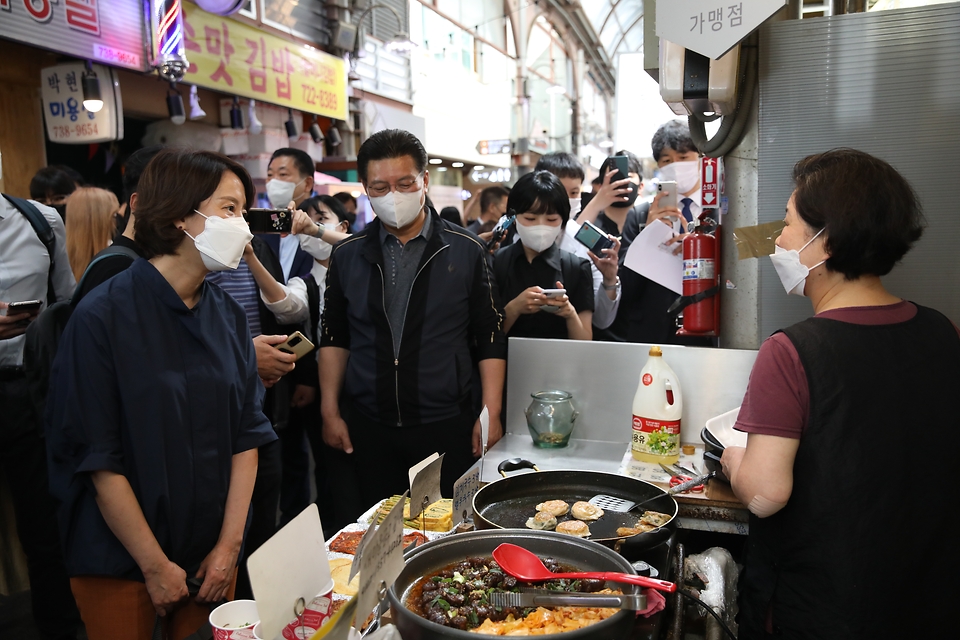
(25, 264)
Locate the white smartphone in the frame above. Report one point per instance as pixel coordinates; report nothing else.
(669, 189)
(552, 294)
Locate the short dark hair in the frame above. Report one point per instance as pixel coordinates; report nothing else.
(50, 182)
(301, 160)
(133, 169)
(330, 202)
(390, 143)
(344, 197)
(633, 162)
(492, 195)
(674, 135)
(539, 192)
(870, 214)
(171, 187)
(72, 173)
(562, 165)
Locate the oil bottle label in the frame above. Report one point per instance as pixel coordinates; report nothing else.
(656, 437)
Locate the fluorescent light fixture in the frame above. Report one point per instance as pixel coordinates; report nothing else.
(436, 161)
(457, 165)
(441, 168)
(478, 167)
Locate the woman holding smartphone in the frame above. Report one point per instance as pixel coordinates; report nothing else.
(154, 412)
(531, 270)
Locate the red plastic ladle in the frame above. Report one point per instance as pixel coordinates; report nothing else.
(526, 566)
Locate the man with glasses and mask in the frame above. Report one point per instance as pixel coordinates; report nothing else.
(406, 299)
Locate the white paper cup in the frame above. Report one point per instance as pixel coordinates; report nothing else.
(234, 620)
(318, 611)
(257, 632)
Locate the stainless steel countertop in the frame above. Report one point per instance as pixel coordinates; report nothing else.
(583, 455)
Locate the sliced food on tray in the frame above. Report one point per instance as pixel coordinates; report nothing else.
(347, 541)
(437, 517)
(649, 521)
(340, 570)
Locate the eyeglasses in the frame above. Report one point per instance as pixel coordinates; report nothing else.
(404, 185)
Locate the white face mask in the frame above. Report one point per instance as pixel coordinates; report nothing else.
(222, 241)
(316, 247)
(398, 209)
(685, 174)
(280, 192)
(538, 237)
(793, 273)
(574, 207)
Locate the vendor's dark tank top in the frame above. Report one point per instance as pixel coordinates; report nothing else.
(864, 547)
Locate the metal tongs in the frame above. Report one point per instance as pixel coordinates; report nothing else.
(542, 598)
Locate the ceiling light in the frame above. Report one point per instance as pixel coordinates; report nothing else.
(315, 132)
(400, 43)
(556, 89)
(291, 126)
(236, 118)
(175, 105)
(478, 167)
(456, 165)
(605, 144)
(196, 111)
(255, 125)
(333, 137)
(441, 168)
(436, 161)
(92, 101)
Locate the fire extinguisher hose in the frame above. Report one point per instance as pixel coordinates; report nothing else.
(685, 301)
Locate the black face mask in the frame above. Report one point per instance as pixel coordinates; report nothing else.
(61, 209)
(631, 198)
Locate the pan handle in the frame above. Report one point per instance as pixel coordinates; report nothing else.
(514, 464)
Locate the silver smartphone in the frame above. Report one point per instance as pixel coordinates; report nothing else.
(669, 188)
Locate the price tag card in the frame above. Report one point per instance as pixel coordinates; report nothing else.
(463, 491)
(381, 562)
(425, 486)
(415, 469)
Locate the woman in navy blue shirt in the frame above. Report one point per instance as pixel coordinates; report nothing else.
(154, 412)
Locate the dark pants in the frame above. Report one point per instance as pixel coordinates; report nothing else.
(385, 453)
(24, 461)
(263, 507)
(295, 486)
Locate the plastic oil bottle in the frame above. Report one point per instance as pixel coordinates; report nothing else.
(656, 412)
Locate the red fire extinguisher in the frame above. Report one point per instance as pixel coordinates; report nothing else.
(700, 281)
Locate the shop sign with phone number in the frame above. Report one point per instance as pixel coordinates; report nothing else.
(237, 59)
(66, 119)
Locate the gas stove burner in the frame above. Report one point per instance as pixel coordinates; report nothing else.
(645, 569)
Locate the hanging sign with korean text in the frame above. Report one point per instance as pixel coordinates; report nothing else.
(237, 59)
(111, 31)
(712, 27)
(66, 119)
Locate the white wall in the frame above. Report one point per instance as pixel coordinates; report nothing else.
(640, 110)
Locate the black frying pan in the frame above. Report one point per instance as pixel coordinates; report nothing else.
(508, 502)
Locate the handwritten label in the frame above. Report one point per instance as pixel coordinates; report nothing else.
(425, 487)
(463, 491)
(381, 562)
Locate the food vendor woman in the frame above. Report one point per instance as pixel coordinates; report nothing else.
(154, 412)
(836, 409)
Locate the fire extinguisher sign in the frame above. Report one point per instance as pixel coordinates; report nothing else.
(710, 183)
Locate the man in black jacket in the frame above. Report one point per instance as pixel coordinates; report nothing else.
(406, 299)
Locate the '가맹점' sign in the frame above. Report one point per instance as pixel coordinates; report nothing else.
(232, 57)
(712, 27)
(66, 119)
(111, 31)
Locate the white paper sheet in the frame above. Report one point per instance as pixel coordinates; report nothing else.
(649, 257)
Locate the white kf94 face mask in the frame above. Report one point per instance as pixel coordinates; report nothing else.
(538, 237)
(686, 174)
(398, 209)
(222, 241)
(280, 192)
(793, 273)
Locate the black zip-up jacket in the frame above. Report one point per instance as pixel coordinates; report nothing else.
(453, 306)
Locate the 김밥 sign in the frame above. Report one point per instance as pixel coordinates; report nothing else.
(111, 31)
(66, 119)
(234, 58)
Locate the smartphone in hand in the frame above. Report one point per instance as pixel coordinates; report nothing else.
(669, 188)
(297, 344)
(552, 294)
(23, 306)
(593, 238)
(269, 220)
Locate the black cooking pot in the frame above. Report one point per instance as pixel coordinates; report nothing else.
(712, 451)
(440, 554)
(510, 501)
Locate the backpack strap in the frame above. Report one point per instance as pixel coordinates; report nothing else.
(44, 231)
(111, 251)
(569, 267)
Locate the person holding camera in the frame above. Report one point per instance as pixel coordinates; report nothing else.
(550, 291)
